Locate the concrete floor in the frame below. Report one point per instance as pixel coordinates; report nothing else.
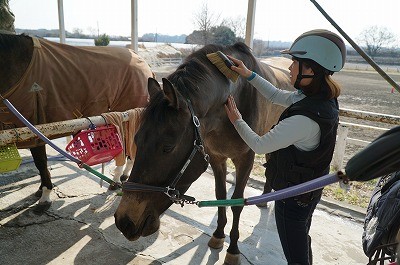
(79, 227)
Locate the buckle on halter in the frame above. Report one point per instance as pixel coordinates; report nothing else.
(196, 121)
(172, 193)
(200, 147)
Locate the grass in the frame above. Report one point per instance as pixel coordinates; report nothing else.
(358, 195)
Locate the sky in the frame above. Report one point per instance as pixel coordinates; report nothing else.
(275, 20)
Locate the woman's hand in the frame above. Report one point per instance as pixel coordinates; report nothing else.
(241, 69)
(231, 110)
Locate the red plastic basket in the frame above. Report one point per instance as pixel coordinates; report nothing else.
(96, 146)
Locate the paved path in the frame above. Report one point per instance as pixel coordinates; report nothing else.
(79, 227)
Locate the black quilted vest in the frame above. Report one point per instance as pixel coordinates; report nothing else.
(290, 166)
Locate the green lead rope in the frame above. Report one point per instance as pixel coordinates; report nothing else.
(222, 203)
(94, 172)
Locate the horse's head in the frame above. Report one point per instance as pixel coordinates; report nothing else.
(15, 55)
(165, 143)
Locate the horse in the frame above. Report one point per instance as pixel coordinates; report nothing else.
(49, 82)
(184, 127)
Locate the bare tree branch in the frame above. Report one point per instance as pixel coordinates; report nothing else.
(237, 25)
(375, 38)
(205, 20)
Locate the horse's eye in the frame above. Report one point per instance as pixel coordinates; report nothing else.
(168, 148)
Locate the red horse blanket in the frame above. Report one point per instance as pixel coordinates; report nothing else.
(64, 82)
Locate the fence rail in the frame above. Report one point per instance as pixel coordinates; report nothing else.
(343, 130)
(155, 61)
(24, 134)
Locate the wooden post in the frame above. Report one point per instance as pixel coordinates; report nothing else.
(134, 26)
(61, 20)
(251, 10)
(51, 130)
(337, 160)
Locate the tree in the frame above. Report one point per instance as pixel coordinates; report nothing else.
(222, 35)
(77, 32)
(205, 20)
(375, 38)
(92, 31)
(196, 37)
(150, 37)
(102, 40)
(237, 25)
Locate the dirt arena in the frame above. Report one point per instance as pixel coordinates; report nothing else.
(367, 91)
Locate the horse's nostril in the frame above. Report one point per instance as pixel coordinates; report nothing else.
(125, 225)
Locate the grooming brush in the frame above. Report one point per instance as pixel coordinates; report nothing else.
(223, 63)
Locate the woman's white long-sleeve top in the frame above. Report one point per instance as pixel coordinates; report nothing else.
(299, 130)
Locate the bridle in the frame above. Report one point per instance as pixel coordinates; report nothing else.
(170, 190)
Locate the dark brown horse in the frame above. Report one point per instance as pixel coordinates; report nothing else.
(169, 145)
(50, 82)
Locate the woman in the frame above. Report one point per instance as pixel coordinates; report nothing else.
(301, 144)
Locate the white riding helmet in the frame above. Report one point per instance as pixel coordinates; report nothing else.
(322, 46)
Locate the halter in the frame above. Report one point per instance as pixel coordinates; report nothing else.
(170, 190)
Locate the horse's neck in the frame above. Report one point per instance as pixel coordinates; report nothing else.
(209, 100)
(15, 56)
(209, 108)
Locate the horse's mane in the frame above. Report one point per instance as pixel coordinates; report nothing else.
(10, 41)
(197, 69)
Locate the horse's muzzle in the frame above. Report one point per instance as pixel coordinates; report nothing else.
(133, 231)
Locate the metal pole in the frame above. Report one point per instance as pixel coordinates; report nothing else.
(357, 48)
(251, 11)
(134, 26)
(61, 20)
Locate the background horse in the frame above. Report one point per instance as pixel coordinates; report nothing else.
(167, 133)
(49, 82)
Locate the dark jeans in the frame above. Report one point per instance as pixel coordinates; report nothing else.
(293, 220)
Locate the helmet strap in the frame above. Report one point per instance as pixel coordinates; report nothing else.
(301, 76)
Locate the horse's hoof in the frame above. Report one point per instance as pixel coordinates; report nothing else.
(262, 205)
(232, 259)
(216, 243)
(38, 193)
(41, 207)
(114, 186)
(123, 178)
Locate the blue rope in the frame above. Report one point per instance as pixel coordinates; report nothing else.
(46, 140)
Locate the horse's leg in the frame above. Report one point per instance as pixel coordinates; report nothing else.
(117, 176)
(127, 169)
(121, 174)
(40, 160)
(219, 168)
(243, 165)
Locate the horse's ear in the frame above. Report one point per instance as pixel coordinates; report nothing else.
(153, 86)
(170, 93)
